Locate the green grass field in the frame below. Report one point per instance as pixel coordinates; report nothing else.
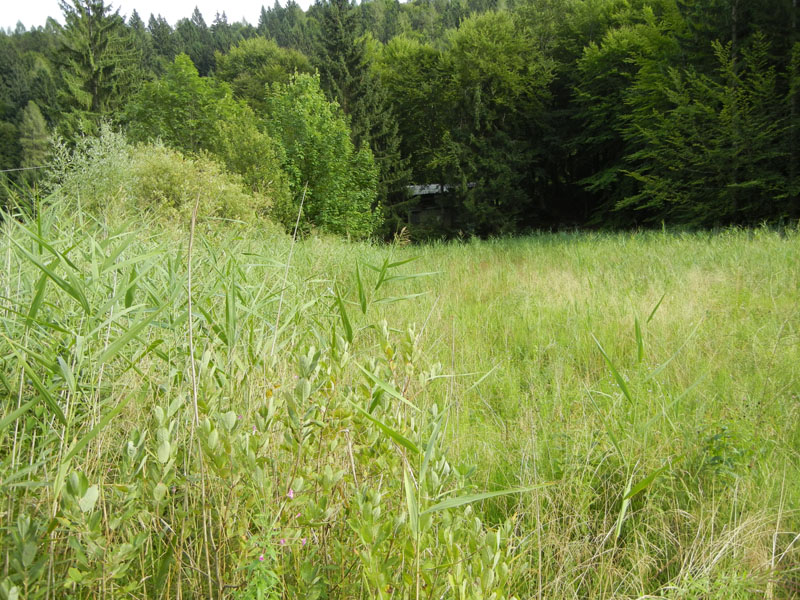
(561, 416)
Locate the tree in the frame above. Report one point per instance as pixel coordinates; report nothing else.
(97, 66)
(164, 41)
(198, 114)
(253, 64)
(181, 108)
(10, 151)
(348, 79)
(195, 39)
(222, 33)
(341, 180)
(713, 150)
(34, 140)
(496, 95)
(142, 40)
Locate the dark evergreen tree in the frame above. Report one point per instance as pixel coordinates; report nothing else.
(348, 79)
(195, 39)
(712, 149)
(165, 43)
(34, 141)
(98, 65)
(143, 42)
(222, 32)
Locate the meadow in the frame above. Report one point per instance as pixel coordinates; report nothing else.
(230, 414)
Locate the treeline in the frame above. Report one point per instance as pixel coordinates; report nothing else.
(536, 113)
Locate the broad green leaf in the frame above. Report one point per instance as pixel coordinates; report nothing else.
(89, 499)
(159, 492)
(163, 452)
(229, 420)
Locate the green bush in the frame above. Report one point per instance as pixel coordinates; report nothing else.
(110, 177)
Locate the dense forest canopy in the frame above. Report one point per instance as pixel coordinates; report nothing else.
(536, 113)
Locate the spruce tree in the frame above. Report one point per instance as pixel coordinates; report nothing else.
(34, 140)
(164, 41)
(348, 79)
(98, 65)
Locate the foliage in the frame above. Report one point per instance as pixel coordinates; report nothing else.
(280, 421)
(97, 65)
(109, 177)
(337, 181)
(348, 78)
(536, 113)
(713, 150)
(34, 139)
(252, 65)
(195, 114)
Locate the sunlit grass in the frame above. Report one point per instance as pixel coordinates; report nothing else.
(669, 465)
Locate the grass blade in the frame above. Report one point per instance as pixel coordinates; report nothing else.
(387, 387)
(36, 303)
(14, 415)
(470, 498)
(639, 341)
(411, 502)
(653, 312)
(117, 345)
(623, 510)
(429, 449)
(617, 377)
(37, 383)
(362, 297)
(348, 328)
(398, 437)
(639, 487)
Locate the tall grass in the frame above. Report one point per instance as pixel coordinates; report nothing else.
(563, 416)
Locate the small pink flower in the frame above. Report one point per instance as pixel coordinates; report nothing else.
(297, 516)
(290, 494)
(239, 417)
(261, 558)
(283, 541)
(303, 541)
(254, 429)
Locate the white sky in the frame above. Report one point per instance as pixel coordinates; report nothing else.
(35, 12)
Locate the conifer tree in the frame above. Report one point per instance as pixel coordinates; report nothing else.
(98, 66)
(164, 41)
(348, 79)
(34, 140)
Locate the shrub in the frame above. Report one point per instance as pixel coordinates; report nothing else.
(109, 176)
